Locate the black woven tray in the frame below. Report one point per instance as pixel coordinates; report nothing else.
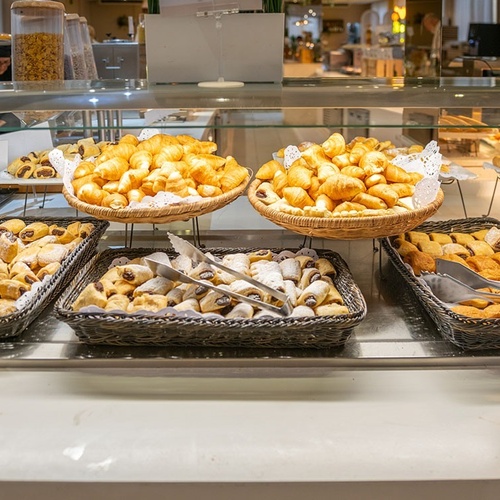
(463, 331)
(13, 324)
(107, 328)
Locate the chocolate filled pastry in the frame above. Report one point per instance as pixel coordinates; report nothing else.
(420, 261)
(462, 238)
(433, 248)
(44, 172)
(73, 244)
(92, 295)
(117, 302)
(262, 254)
(74, 228)
(62, 235)
(242, 310)
(203, 271)
(305, 261)
(457, 249)
(314, 294)
(479, 235)
(309, 275)
(183, 264)
(214, 301)
(247, 290)
(477, 247)
(52, 253)
(25, 171)
(153, 303)
(13, 289)
(290, 269)
(174, 297)
(333, 296)
(417, 237)
(195, 291)
(135, 273)
(331, 310)
(441, 238)
(492, 237)
(455, 258)
(14, 226)
(9, 247)
(124, 288)
(29, 256)
(238, 262)
(4, 270)
(27, 278)
(7, 306)
(48, 239)
(34, 231)
(404, 247)
(292, 292)
(325, 267)
(301, 311)
(111, 275)
(48, 270)
(155, 286)
(188, 305)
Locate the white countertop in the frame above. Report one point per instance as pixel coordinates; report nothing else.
(254, 427)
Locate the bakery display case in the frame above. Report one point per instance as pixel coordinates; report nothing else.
(268, 408)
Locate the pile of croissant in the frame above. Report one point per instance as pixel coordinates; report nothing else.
(127, 171)
(37, 165)
(29, 252)
(478, 250)
(338, 179)
(134, 287)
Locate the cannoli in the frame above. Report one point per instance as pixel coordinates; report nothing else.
(214, 301)
(135, 273)
(242, 310)
(477, 247)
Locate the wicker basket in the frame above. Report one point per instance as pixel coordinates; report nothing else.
(345, 228)
(159, 215)
(13, 324)
(463, 331)
(150, 330)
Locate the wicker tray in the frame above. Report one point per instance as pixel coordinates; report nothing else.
(160, 215)
(13, 324)
(345, 228)
(106, 328)
(463, 331)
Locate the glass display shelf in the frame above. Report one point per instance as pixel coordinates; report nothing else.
(397, 333)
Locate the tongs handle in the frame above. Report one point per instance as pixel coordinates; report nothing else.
(157, 265)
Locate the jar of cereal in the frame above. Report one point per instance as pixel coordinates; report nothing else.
(37, 40)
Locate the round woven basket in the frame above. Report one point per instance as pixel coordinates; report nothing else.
(158, 215)
(346, 228)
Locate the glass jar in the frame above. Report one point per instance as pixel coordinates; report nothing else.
(69, 72)
(37, 40)
(88, 53)
(76, 44)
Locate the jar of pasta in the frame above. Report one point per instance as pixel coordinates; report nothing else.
(37, 40)
(76, 44)
(88, 52)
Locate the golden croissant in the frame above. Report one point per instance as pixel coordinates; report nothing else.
(334, 145)
(122, 150)
(394, 173)
(342, 187)
(267, 171)
(112, 169)
(172, 152)
(141, 160)
(155, 144)
(114, 201)
(300, 176)
(314, 156)
(233, 175)
(91, 193)
(297, 197)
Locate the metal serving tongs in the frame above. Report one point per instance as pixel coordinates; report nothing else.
(450, 290)
(160, 264)
(464, 274)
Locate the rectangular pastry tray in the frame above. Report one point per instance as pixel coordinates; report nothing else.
(463, 331)
(151, 330)
(13, 324)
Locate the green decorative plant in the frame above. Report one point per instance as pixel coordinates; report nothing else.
(273, 6)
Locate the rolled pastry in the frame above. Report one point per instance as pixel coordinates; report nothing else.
(117, 302)
(13, 289)
(14, 226)
(290, 269)
(92, 295)
(7, 306)
(441, 238)
(135, 273)
(477, 247)
(314, 294)
(34, 231)
(331, 310)
(155, 286)
(9, 247)
(247, 289)
(153, 303)
(51, 253)
(242, 310)
(302, 311)
(325, 267)
(26, 277)
(214, 301)
(309, 275)
(174, 297)
(48, 270)
(188, 305)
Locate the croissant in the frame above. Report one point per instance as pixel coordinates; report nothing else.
(403, 189)
(141, 160)
(122, 150)
(385, 192)
(172, 152)
(185, 139)
(267, 171)
(373, 179)
(313, 191)
(208, 191)
(111, 186)
(175, 183)
(394, 173)
(233, 175)
(204, 173)
(370, 201)
(324, 202)
(112, 169)
(280, 181)
(357, 152)
(78, 183)
(342, 160)
(334, 145)
(156, 143)
(297, 197)
(340, 187)
(91, 193)
(353, 171)
(299, 176)
(129, 138)
(327, 169)
(373, 162)
(114, 201)
(131, 179)
(135, 195)
(200, 147)
(349, 206)
(314, 156)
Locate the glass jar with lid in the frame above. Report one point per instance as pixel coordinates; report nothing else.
(37, 40)
(87, 50)
(76, 44)
(69, 72)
